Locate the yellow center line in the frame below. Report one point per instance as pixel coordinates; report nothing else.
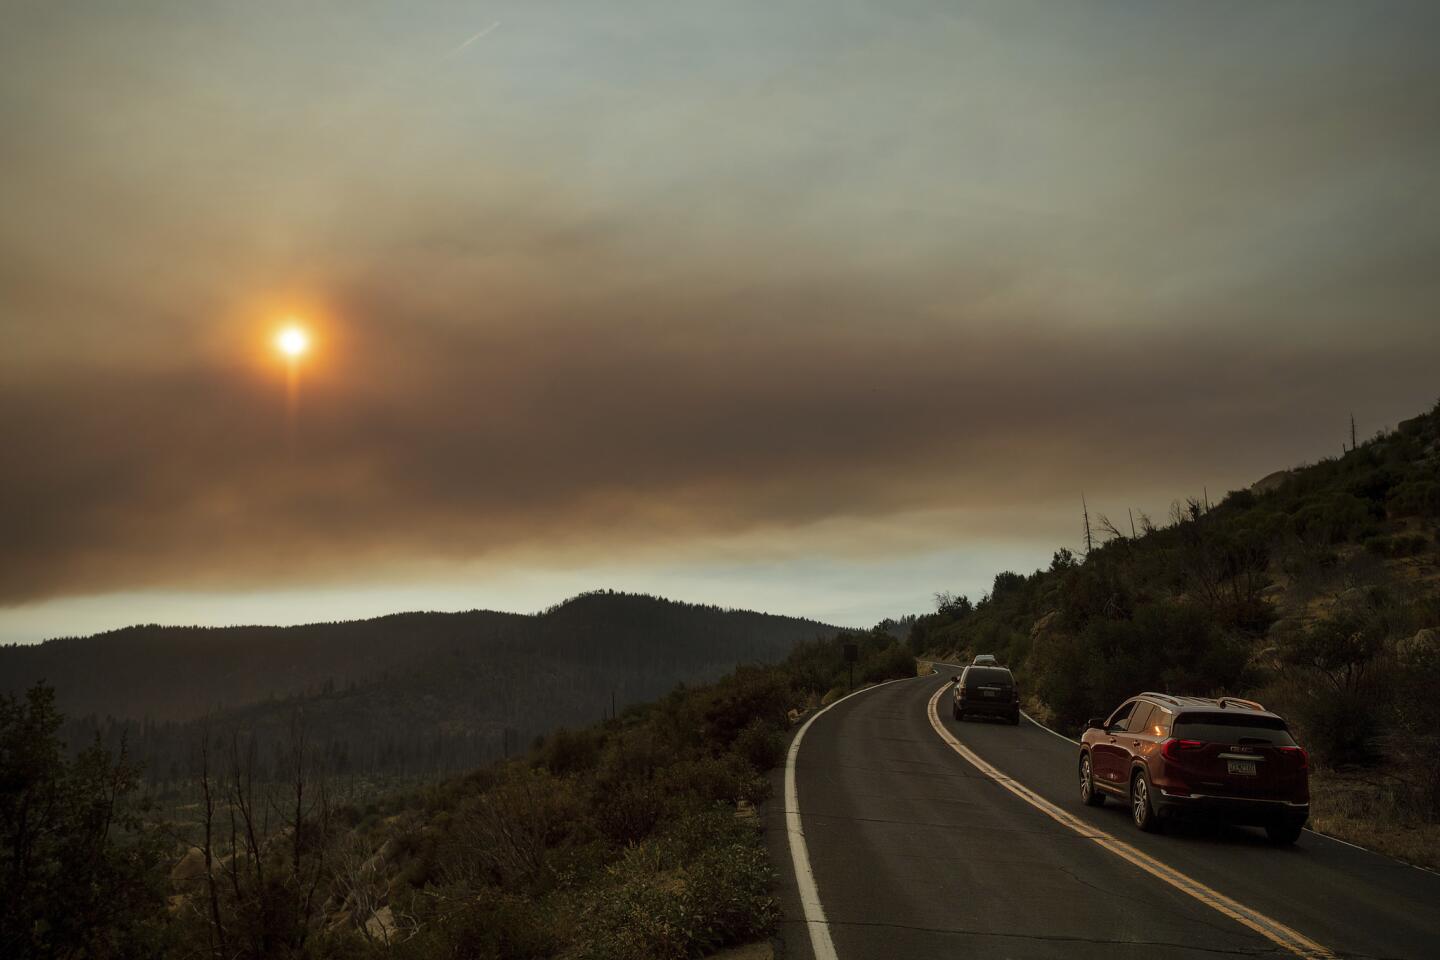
(1273, 930)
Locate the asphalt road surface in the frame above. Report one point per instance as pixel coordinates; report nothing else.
(913, 851)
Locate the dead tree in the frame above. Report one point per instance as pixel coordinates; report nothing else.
(1108, 528)
(248, 835)
(208, 801)
(1085, 511)
(309, 823)
(1146, 524)
(280, 832)
(362, 887)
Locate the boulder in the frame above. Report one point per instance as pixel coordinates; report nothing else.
(1044, 625)
(1269, 482)
(1423, 647)
(381, 924)
(190, 867)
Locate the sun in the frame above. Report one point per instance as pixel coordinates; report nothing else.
(292, 341)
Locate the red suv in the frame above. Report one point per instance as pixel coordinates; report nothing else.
(1172, 756)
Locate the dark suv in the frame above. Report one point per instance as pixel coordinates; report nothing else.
(985, 691)
(1173, 756)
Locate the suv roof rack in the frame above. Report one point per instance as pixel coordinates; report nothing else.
(1161, 696)
(1250, 704)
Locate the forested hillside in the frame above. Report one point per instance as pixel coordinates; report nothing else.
(415, 693)
(1317, 590)
(630, 838)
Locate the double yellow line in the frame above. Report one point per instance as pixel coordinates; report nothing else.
(1273, 930)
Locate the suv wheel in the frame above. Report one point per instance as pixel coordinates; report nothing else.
(955, 713)
(1141, 810)
(1088, 794)
(1284, 834)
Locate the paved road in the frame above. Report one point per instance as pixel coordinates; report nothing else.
(916, 853)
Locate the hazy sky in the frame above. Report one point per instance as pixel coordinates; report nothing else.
(811, 307)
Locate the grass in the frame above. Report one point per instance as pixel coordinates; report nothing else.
(1364, 808)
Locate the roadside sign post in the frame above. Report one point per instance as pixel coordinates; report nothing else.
(852, 653)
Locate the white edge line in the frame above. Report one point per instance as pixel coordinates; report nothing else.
(1374, 853)
(1316, 833)
(820, 943)
(1053, 733)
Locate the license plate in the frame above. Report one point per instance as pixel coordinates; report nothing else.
(987, 693)
(1240, 768)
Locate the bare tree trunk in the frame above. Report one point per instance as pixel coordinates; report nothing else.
(297, 754)
(217, 929)
(242, 799)
(323, 817)
(306, 880)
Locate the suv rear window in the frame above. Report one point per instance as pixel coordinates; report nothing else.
(1232, 728)
(988, 675)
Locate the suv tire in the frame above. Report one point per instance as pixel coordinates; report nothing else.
(1089, 796)
(1142, 811)
(955, 713)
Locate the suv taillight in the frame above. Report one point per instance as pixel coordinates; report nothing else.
(1174, 749)
(1300, 752)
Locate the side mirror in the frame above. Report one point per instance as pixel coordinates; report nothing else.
(955, 679)
(1095, 723)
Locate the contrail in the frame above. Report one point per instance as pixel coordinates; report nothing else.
(483, 33)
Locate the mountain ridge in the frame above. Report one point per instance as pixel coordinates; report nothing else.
(406, 692)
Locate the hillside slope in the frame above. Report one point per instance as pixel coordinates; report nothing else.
(1317, 590)
(409, 693)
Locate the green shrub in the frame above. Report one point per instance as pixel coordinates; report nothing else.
(702, 885)
(1337, 518)
(1169, 647)
(494, 926)
(706, 781)
(895, 661)
(514, 835)
(1058, 667)
(1338, 727)
(626, 812)
(728, 896)
(761, 744)
(1418, 497)
(571, 751)
(1373, 484)
(1400, 545)
(749, 694)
